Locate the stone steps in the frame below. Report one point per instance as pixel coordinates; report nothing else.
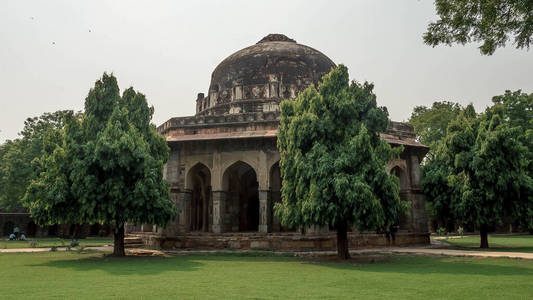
(133, 241)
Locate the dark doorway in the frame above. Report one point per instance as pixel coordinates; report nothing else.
(32, 229)
(240, 182)
(199, 181)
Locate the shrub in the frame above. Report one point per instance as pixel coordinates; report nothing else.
(441, 231)
(461, 231)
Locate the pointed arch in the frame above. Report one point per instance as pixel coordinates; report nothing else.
(400, 172)
(239, 181)
(199, 183)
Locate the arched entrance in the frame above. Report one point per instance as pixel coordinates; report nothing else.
(240, 183)
(199, 182)
(404, 189)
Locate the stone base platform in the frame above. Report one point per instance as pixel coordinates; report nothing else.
(278, 241)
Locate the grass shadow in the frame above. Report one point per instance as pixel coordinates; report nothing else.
(400, 264)
(129, 265)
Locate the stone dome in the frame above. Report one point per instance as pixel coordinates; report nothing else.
(257, 78)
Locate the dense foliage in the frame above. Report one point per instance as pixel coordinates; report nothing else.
(480, 173)
(106, 167)
(333, 160)
(493, 23)
(430, 123)
(16, 157)
(516, 108)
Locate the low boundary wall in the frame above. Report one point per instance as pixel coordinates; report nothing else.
(278, 241)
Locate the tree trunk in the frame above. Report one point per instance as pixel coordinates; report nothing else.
(483, 233)
(118, 247)
(342, 242)
(77, 232)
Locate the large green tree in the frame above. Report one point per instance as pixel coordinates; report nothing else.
(479, 173)
(108, 166)
(16, 157)
(333, 160)
(493, 23)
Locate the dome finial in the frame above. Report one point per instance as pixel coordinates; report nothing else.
(276, 37)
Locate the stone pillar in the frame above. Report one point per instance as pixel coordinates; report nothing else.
(265, 211)
(183, 203)
(418, 211)
(419, 220)
(171, 171)
(219, 210)
(174, 227)
(415, 172)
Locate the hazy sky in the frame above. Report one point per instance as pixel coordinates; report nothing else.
(52, 52)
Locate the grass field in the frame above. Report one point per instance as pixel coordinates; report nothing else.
(49, 242)
(518, 243)
(90, 275)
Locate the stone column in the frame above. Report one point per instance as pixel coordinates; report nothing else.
(265, 211)
(219, 210)
(174, 227)
(183, 203)
(418, 212)
(415, 172)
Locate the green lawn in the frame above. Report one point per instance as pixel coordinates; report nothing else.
(90, 275)
(518, 243)
(49, 242)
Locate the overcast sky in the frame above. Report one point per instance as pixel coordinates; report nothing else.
(52, 52)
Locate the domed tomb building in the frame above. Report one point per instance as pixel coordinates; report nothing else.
(224, 163)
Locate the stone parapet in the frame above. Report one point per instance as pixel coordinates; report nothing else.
(218, 120)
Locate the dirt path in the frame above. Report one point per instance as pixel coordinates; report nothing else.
(397, 250)
(32, 250)
(453, 252)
